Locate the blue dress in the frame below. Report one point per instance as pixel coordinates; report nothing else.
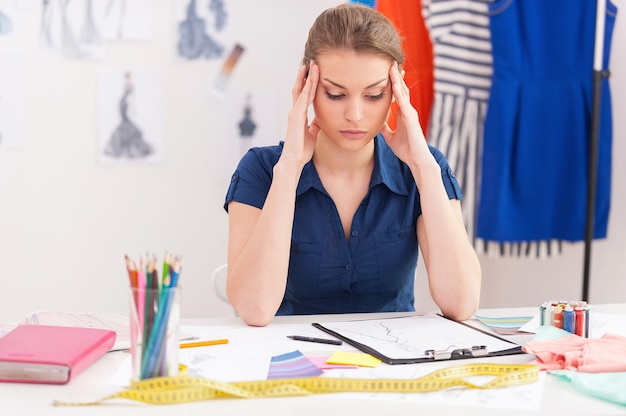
(537, 128)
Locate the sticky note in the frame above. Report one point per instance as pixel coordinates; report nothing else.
(353, 358)
(322, 363)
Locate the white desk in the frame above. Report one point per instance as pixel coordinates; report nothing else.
(32, 399)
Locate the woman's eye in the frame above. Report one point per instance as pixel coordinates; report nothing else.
(376, 97)
(333, 96)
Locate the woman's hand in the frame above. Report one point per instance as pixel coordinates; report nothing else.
(301, 137)
(407, 141)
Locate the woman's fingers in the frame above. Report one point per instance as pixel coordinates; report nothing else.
(313, 78)
(306, 83)
(299, 84)
(400, 89)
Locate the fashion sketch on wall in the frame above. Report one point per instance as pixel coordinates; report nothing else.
(247, 119)
(129, 116)
(128, 20)
(6, 23)
(202, 28)
(12, 27)
(72, 29)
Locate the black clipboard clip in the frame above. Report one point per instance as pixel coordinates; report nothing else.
(455, 353)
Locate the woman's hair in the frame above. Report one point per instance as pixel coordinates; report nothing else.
(353, 27)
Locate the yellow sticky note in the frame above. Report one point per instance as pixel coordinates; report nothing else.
(353, 358)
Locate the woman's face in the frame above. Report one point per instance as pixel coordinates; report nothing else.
(353, 97)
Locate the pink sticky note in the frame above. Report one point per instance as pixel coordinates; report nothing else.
(321, 363)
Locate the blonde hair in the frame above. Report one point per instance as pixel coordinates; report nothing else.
(353, 27)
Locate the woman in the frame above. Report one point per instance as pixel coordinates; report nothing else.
(329, 221)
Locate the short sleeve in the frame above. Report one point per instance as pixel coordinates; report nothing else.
(251, 181)
(447, 175)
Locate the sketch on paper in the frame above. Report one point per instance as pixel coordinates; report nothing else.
(247, 124)
(72, 30)
(8, 18)
(127, 139)
(202, 29)
(128, 20)
(12, 99)
(6, 25)
(129, 116)
(247, 119)
(223, 77)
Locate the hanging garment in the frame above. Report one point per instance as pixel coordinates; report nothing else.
(537, 128)
(407, 17)
(459, 30)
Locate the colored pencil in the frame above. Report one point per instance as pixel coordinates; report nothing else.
(204, 343)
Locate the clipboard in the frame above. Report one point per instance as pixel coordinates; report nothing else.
(419, 339)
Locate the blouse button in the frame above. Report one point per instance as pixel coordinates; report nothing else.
(348, 266)
(354, 233)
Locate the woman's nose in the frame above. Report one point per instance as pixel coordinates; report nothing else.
(354, 110)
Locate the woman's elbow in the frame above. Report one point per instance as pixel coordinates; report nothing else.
(464, 304)
(461, 312)
(256, 319)
(255, 315)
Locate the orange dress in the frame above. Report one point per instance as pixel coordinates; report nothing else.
(408, 20)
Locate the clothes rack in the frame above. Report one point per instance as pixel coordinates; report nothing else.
(598, 75)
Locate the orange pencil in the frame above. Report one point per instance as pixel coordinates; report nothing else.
(203, 343)
(132, 274)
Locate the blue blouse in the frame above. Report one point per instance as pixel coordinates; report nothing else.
(372, 271)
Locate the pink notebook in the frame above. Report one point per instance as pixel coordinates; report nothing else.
(50, 354)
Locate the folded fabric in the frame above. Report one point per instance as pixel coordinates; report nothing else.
(604, 386)
(572, 352)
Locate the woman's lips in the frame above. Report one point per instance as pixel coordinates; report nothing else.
(353, 134)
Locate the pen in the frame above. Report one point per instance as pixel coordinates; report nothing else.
(312, 339)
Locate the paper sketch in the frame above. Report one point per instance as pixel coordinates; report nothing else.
(128, 20)
(247, 119)
(202, 29)
(12, 99)
(406, 337)
(247, 126)
(6, 24)
(11, 21)
(525, 396)
(72, 29)
(129, 116)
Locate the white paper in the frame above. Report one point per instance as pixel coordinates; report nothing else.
(411, 337)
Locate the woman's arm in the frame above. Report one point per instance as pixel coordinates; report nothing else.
(454, 274)
(258, 249)
(453, 268)
(259, 241)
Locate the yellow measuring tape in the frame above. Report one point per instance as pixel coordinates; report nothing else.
(183, 388)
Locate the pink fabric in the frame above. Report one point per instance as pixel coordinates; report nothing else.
(572, 352)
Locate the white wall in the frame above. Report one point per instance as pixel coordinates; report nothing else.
(66, 220)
